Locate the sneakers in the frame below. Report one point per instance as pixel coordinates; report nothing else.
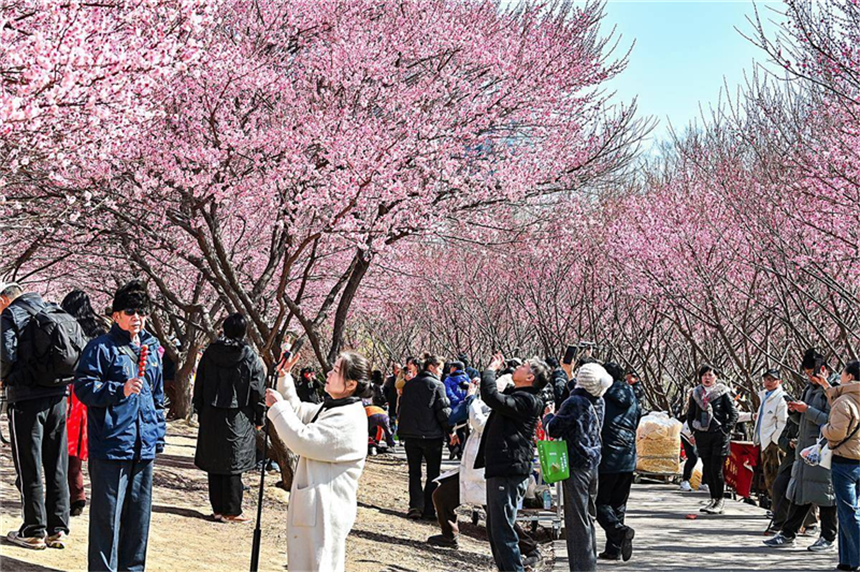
(627, 544)
(704, 488)
(444, 541)
(413, 514)
(822, 545)
(57, 540)
(778, 541)
(608, 556)
(31, 542)
(77, 508)
(717, 507)
(811, 530)
(708, 506)
(685, 486)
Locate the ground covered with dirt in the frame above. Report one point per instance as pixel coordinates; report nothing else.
(183, 537)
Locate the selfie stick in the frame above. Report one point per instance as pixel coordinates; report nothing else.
(271, 383)
(271, 380)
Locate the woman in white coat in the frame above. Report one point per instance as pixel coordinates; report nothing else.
(331, 441)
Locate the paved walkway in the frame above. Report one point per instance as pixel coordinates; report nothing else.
(667, 541)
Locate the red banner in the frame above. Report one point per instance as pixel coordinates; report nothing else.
(739, 466)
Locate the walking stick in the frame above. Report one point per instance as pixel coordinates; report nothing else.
(271, 381)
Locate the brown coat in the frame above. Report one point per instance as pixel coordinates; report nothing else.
(844, 417)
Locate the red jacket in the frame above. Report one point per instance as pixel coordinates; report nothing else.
(76, 425)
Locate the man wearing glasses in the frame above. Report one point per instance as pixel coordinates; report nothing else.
(126, 430)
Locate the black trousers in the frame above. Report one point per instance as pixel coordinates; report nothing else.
(39, 444)
(797, 515)
(225, 494)
(712, 475)
(613, 490)
(782, 505)
(418, 451)
(692, 459)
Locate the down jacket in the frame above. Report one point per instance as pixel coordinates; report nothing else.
(115, 423)
(619, 429)
(424, 409)
(579, 423)
(229, 395)
(507, 445)
(810, 485)
(844, 418)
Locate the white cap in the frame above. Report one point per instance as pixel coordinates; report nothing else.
(594, 379)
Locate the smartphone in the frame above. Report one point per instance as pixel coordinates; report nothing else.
(569, 354)
(788, 398)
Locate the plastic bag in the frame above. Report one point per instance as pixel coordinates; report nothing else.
(658, 444)
(554, 464)
(817, 455)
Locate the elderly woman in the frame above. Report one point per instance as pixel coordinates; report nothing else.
(712, 415)
(331, 441)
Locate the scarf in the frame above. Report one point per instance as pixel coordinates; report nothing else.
(704, 396)
(330, 403)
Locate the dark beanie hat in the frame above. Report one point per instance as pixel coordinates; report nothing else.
(131, 296)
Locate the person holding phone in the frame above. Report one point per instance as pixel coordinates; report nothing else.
(770, 422)
(809, 485)
(331, 441)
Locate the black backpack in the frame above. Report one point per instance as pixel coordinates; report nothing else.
(50, 347)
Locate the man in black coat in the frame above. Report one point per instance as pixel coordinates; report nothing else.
(423, 424)
(506, 451)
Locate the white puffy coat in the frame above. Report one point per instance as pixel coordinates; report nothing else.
(473, 485)
(323, 498)
(772, 419)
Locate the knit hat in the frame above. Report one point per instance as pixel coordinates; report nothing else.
(593, 378)
(131, 296)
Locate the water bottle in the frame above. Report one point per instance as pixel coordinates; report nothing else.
(547, 499)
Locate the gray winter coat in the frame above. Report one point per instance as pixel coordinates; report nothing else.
(810, 485)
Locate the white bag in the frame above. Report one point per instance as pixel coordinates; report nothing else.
(818, 455)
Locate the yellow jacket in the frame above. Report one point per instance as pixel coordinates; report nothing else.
(844, 417)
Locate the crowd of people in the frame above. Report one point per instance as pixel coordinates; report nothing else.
(83, 389)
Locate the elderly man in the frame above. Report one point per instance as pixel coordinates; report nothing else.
(125, 397)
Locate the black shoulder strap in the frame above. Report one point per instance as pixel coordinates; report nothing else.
(848, 438)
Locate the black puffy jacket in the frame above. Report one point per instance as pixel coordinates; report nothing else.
(229, 395)
(619, 429)
(507, 444)
(424, 409)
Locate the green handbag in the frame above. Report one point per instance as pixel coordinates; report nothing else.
(554, 465)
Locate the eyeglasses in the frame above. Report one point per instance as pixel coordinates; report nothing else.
(139, 311)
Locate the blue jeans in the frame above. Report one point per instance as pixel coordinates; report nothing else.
(503, 496)
(846, 484)
(120, 509)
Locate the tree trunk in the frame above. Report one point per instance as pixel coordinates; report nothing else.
(179, 391)
(279, 453)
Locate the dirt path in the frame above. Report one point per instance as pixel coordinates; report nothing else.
(183, 538)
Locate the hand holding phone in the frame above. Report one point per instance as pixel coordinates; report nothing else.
(569, 354)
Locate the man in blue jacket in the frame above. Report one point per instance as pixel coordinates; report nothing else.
(126, 430)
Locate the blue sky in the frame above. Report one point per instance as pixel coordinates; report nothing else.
(684, 53)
